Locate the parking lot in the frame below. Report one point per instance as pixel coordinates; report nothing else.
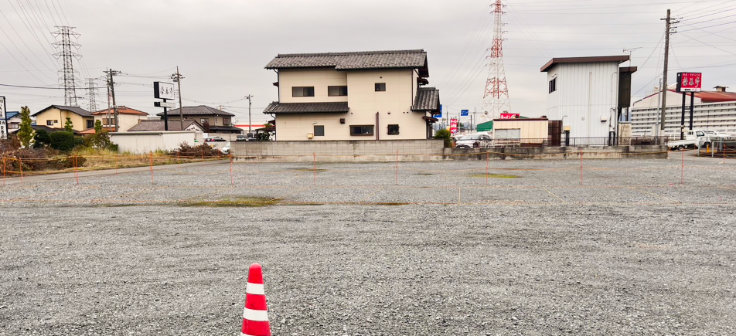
(512, 247)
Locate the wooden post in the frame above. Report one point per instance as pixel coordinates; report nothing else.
(397, 168)
(76, 174)
(314, 166)
(150, 156)
(20, 166)
(581, 167)
(487, 163)
(682, 171)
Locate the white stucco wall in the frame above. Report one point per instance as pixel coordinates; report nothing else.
(393, 105)
(145, 142)
(586, 94)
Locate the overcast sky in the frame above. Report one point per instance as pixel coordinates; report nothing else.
(222, 46)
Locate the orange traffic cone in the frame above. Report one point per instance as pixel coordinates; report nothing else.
(255, 314)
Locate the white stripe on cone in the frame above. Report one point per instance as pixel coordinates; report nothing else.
(255, 315)
(252, 288)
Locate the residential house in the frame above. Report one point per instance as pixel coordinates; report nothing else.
(371, 95)
(13, 121)
(588, 94)
(211, 119)
(55, 116)
(158, 126)
(127, 118)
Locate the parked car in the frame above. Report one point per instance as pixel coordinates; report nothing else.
(245, 137)
(477, 140)
(214, 139)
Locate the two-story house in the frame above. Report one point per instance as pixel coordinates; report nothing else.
(55, 116)
(127, 118)
(371, 95)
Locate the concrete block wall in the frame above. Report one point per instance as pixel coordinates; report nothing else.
(339, 150)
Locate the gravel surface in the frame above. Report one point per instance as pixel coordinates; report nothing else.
(350, 251)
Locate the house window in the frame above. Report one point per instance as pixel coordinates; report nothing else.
(90, 123)
(361, 130)
(319, 130)
(49, 123)
(337, 91)
(553, 85)
(302, 91)
(393, 129)
(109, 121)
(380, 87)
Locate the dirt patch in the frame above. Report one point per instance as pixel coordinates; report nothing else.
(499, 176)
(233, 202)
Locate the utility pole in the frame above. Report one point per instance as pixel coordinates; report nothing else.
(111, 84)
(249, 97)
(667, 32)
(177, 77)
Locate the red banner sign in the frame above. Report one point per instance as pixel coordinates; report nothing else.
(453, 126)
(689, 81)
(509, 115)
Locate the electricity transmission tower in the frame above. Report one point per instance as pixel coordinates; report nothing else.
(67, 54)
(496, 93)
(91, 94)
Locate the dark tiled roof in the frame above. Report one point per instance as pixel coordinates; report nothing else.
(389, 59)
(427, 99)
(588, 59)
(158, 125)
(197, 110)
(336, 107)
(73, 109)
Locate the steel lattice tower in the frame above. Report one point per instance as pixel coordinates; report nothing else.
(91, 94)
(67, 55)
(496, 93)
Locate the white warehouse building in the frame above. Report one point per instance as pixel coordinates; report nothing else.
(589, 94)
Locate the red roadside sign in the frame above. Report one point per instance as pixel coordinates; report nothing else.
(453, 126)
(689, 81)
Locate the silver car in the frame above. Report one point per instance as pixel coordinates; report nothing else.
(478, 140)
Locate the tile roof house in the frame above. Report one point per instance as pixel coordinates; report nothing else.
(368, 95)
(212, 119)
(55, 116)
(158, 126)
(127, 117)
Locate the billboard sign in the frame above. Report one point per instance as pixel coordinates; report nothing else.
(689, 81)
(163, 90)
(464, 113)
(3, 127)
(453, 126)
(439, 116)
(509, 115)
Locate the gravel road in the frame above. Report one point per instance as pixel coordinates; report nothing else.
(366, 249)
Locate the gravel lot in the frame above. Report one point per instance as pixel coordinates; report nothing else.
(350, 251)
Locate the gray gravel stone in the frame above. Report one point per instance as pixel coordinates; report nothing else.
(629, 252)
